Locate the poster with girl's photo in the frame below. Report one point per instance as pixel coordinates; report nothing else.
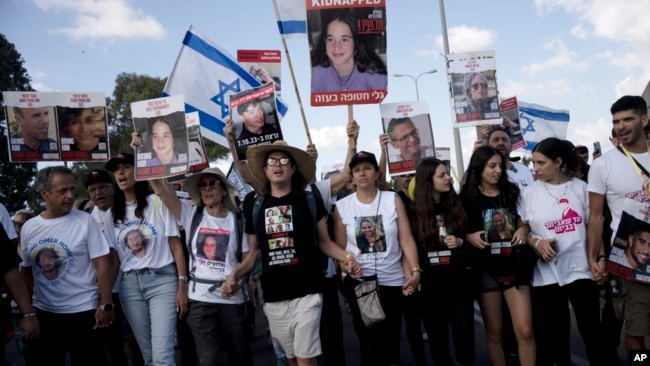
(473, 86)
(264, 65)
(83, 127)
(347, 46)
(631, 248)
(32, 131)
(198, 157)
(255, 118)
(408, 126)
(162, 126)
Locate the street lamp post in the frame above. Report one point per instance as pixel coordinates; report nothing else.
(415, 79)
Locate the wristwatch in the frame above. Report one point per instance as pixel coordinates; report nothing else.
(107, 307)
(183, 278)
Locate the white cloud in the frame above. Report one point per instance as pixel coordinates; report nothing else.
(467, 39)
(104, 19)
(540, 91)
(579, 32)
(329, 137)
(563, 58)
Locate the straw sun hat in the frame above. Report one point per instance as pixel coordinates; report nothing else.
(192, 188)
(256, 156)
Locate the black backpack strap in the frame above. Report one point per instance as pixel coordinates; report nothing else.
(194, 226)
(643, 169)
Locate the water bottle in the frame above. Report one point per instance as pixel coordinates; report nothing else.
(442, 231)
(614, 290)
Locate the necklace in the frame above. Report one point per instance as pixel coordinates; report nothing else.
(487, 191)
(566, 184)
(343, 81)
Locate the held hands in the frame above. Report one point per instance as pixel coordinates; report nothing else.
(351, 266)
(181, 299)
(412, 283)
(519, 238)
(30, 327)
(230, 287)
(103, 318)
(598, 272)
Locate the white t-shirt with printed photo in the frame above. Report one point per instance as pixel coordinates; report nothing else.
(388, 259)
(60, 252)
(216, 257)
(150, 243)
(567, 223)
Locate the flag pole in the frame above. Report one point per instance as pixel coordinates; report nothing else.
(295, 88)
(351, 142)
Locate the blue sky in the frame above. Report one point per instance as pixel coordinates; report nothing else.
(579, 55)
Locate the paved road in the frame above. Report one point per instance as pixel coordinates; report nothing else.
(263, 353)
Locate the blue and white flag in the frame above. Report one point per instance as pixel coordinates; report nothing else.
(206, 75)
(292, 18)
(539, 122)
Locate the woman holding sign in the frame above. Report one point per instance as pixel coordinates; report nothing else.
(341, 60)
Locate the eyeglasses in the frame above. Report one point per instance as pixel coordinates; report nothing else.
(477, 85)
(208, 185)
(274, 161)
(414, 134)
(18, 224)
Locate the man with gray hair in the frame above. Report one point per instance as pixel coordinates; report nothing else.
(69, 303)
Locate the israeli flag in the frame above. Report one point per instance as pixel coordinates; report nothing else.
(539, 122)
(292, 18)
(206, 75)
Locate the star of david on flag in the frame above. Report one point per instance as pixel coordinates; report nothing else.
(539, 122)
(207, 75)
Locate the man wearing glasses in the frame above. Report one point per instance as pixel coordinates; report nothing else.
(405, 137)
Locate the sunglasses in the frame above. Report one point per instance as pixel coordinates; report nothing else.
(274, 161)
(207, 185)
(481, 85)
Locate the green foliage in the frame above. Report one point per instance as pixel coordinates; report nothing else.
(16, 177)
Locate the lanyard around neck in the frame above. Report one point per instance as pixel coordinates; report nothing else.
(635, 164)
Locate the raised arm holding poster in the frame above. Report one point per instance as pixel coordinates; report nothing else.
(348, 52)
(161, 125)
(255, 118)
(33, 134)
(264, 65)
(83, 130)
(509, 123)
(408, 126)
(474, 92)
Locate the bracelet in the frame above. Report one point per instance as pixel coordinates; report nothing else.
(461, 242)
(183, 278)
(416, 269)
(601, 258)
(29, 315)
(537, 243)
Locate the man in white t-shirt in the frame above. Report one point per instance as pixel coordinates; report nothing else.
(68, 300)
(621, 178)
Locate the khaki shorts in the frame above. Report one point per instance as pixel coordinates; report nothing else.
(633, 306)
(296, 324)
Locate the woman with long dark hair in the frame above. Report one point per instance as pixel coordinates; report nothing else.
(448, 280)
(487, 194)
(556, 206)
(341, 59)
(153, 290)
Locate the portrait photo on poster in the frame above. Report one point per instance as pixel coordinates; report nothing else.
(255, 118)
(348, 54)
(408, 126)
(631, 250)
(31, 119)
(164, 149)
(83, 132)
(264, 65)
(474, 91)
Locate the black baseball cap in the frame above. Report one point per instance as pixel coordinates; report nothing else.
(125, 158)
(364, 156)
(98, 176)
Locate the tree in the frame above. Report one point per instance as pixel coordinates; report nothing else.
(14, 192)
